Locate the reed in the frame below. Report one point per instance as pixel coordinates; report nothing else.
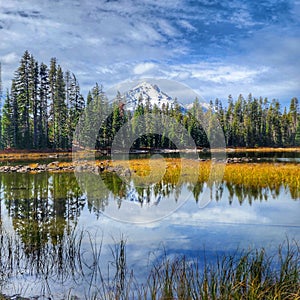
(248, 274)
(244, 274)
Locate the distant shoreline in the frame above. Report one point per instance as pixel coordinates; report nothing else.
(35, 154)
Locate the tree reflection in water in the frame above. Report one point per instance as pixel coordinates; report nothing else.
(45, 208)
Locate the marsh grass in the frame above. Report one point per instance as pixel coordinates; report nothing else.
(176, 171)
(31, 155)
(263, 149)
(35, 154)
(244, 274)
(254, 176)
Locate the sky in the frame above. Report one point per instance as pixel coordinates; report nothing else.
(216, 48)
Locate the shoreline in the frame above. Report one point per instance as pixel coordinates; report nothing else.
(108, 165)
(251, 174)
(35, 154)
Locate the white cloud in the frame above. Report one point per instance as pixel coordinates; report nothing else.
(143, 68)
(167, 28)
(9, 58)
(212, 79)
(216, 49)
(187, 25)
(223, 73)
(218, 214)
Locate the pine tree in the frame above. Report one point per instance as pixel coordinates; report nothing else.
(60, 112)
(239, 122)
(75, 105)
(285, 127)
(22, 91)
(33, 98)
(7, 123)
(93, 131)
(228, 124)
(297, 135)
(89, 98)
(263, 126)
(117, 119)
(52, 114)
(43, 103)
(15, 115)
(137, 127)
(274, 124)
(157, 139)
(1, 94)
(197, 123)
(293, 117)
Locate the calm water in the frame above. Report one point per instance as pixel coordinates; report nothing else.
(46, 218)
(263, 156)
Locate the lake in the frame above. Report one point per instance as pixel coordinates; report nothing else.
(62, 233)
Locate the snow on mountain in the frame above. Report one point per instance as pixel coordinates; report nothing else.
(152, 93)
(147, 91)
(133, 197)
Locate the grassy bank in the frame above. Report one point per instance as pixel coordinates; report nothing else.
(32, 155)
(246, 175)
(264, 149)
(178, 171)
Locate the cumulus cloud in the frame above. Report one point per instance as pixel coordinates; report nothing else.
(9, 58)
(143, 68)
(216, 48)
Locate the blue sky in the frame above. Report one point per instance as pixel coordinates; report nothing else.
(215, 47)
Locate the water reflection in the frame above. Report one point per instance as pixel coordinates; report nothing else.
(45, 211)
(44, 206)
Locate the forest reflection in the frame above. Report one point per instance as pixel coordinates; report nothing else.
(43, 207)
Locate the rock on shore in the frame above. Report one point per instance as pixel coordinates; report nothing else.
(85, 166)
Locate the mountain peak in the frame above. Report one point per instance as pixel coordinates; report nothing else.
(147, 91)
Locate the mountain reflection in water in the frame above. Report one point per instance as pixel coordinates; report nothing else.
(41, 215)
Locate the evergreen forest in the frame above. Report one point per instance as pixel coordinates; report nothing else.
(44, 104)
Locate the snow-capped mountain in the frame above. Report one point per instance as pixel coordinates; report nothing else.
(152, 93)
(147, 91)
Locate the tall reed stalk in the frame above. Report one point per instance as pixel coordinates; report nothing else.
(251, 274)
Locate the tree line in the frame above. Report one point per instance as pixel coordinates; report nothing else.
(41, 108)
(250, 122)
(44, 105)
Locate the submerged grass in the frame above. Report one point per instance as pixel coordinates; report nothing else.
(247, 275)
(244, 274)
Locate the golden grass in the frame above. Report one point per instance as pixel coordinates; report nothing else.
(263, 149)
(265, 175)
(23, 155)
(33, 165)
(178, 171)
(250, 175)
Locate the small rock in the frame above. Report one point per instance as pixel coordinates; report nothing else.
(41, 167)
(14, 169)
(53, 164)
